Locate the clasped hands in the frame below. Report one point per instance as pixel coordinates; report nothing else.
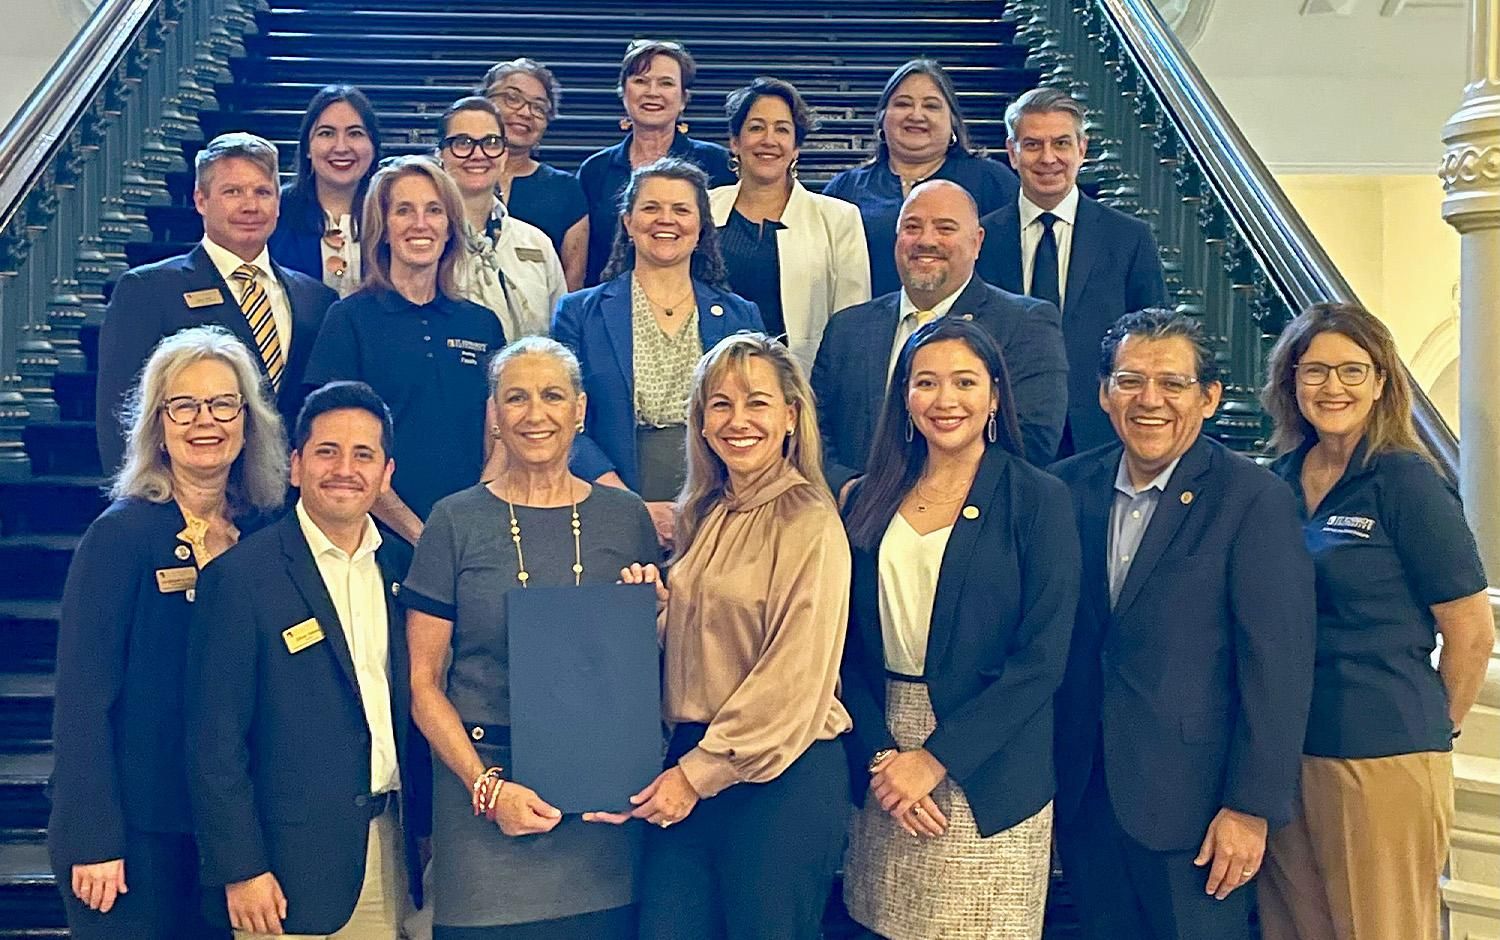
(903, 784)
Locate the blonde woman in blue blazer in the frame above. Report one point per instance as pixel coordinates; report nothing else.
(799, 256)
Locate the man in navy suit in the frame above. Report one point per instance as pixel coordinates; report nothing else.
(937, 241)
(274, 310)
(1182, 710)
(305, 773)
(1093, 262)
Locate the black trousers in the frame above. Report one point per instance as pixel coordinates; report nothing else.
(1125, 891)
(164, 902)
(756, 861)
(616, 923)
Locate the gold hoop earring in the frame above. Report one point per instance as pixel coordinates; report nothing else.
(793, 169)
(682, 127)
(734, 164)
(626, 124)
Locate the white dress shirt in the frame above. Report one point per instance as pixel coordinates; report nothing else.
(1062, 231)
(908, 566)
(524, 256)
(281, 308)
(907, 324)
(358, 589)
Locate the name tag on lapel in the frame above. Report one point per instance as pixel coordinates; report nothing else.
(176, 580)
(530, 254)
(303, 635)
(208, 297)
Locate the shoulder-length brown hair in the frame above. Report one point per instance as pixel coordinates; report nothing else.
(376, 249)
(1390, 426)
(707, 477)
(707, 263)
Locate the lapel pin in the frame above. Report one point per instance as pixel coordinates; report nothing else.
(717, 310)
(182, 552)
(971, 512)
(190, 595)
(395, 588)
(968, 316)
(1186, 497)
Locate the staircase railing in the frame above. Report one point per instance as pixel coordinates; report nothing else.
(87, 155)
(1236, 251)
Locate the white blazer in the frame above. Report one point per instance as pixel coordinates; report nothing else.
(825, 263)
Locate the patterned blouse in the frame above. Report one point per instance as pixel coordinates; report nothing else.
(663, 364)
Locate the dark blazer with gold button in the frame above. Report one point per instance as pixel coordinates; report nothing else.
(850, 373)
(1001, 616)
(117, 724)
(278, 744)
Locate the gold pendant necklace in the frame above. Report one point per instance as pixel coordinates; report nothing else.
(522, 575)
(668, 310)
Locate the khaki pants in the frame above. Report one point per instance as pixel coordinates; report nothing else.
(383, 897)
(1362, 859)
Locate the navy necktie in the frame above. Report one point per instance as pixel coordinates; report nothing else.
(1044, 264)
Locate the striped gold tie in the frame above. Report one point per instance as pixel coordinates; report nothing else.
(256, 305)
(924, 317)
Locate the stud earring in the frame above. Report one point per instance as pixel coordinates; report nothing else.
(682, 127)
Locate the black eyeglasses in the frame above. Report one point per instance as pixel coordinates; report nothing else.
(183, 409)
(517, 101)
(1349, 373)
(462, 145)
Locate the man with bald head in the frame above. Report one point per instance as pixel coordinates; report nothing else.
(937, 242)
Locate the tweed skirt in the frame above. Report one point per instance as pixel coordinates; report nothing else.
(958, 886)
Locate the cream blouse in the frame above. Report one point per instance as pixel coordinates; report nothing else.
(754, 632)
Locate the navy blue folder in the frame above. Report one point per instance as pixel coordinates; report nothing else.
(585, 693)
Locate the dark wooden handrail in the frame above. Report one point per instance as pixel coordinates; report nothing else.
(1296, 263)
(32, 138)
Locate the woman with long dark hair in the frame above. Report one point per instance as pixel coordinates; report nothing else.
(965, 585)
(338, 148)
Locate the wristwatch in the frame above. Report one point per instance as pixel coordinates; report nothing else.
(880, 758)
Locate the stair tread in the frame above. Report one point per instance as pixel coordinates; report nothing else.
(30, 608)
(24, 863)
(25, 767)
(27, 685)
(40, 541)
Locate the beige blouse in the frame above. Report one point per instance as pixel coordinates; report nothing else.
(754, 632)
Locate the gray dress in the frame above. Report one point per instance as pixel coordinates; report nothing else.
(464, 564)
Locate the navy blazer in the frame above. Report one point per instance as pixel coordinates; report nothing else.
(117, 724)
(298, 243)
(596, 324)
(1114, 268)
(148, 304)
(852, 370)
(278, 744)
(1001, 616)
(1200, 678)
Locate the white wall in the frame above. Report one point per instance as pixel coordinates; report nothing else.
(35, 34)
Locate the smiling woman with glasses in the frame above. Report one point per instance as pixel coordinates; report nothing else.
(206, 459)
(510, 265)
(1396, 566)
(528, 96)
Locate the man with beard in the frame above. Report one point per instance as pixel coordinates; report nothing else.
(937, 241)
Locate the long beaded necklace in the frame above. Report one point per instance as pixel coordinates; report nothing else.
(515, 536)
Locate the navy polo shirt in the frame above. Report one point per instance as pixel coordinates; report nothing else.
(549, 198)
(877, 192)
(604, 175)
(1388, 541)
(429, 362)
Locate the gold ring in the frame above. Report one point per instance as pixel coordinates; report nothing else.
(1247, 873)
(918, 811)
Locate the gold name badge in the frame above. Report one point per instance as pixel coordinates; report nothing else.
(176, 580)
(530, 254)
(208, 297)
(303, 635)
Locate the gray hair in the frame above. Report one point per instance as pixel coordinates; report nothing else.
(536, 346)
(524, 66)
(257, 150)
(258, 476)
(1044, 101)
(1154, 323)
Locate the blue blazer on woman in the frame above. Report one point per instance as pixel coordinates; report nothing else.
(595, 323)
(1002, 616)
(297, 243)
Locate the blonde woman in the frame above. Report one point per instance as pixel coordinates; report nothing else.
(412, 337)
(747, 820)
(205, 458)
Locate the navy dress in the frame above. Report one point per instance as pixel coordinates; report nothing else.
(877, 192)
(549, 198)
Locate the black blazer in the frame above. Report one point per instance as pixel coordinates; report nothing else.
(1006, 594)
(117, 724)
(1114, 268)
(148, 304)
(850, 373)
(1200, 678)
(278, 745)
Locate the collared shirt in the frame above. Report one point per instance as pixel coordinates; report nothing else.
(428, 362)
(1388, 542)
(227, 262)
(512, 269)
(357, 588)
(1129, 516)
(1062, 232)
(343, 279)
(907, 324)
